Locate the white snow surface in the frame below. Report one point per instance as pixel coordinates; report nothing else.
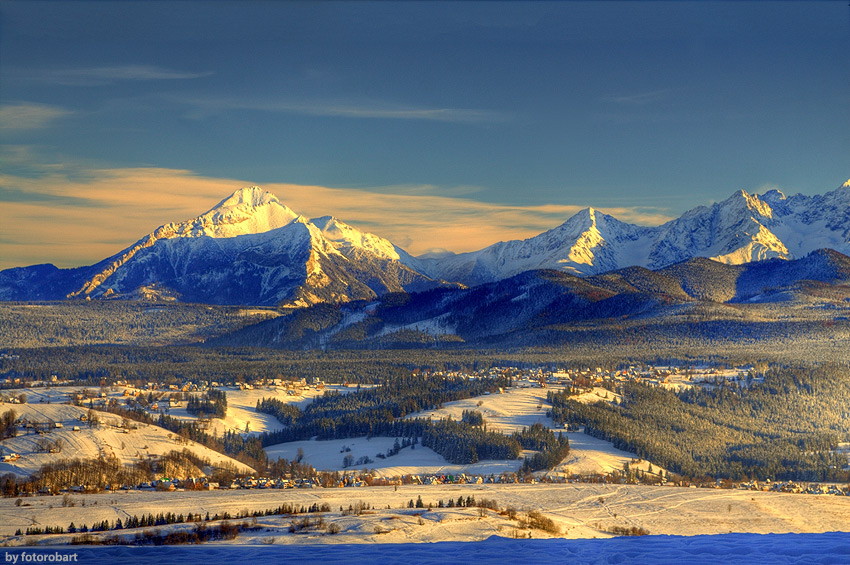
(106, 439)
(328, 456)
(687, 525)
(242, 415)
(743, 228)
(515, 409)
(248, 210)
(251, 226)
(344, 236)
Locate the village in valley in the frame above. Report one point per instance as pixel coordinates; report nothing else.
(55, 419)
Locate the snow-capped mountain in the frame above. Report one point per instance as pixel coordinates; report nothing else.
(252, 249)
(741, 229)
(589, 242)
(248, 249)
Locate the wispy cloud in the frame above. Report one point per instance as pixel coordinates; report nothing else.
(98, 76)
(29, 115)
(76, 221)
(202, 107)
(640, 98)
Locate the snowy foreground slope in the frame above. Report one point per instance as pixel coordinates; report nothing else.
(825, 548)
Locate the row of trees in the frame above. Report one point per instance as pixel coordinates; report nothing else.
(372, 411)
(461, 443)
(551, 449)
(213, 403)
(104, 322)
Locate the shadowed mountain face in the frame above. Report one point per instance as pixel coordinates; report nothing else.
(523, 308)
(252, 249)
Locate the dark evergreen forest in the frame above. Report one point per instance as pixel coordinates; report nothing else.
(784, 428)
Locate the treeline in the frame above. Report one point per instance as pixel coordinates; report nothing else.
(786, 428)
(101, 474)
(551, 449)
(213, 403)
(381, 411)
(374, 411)
(122, 322)
(168, 518)
(96, 474)
(96, 365)
(460, 443)
(92, 365)
(286, 413)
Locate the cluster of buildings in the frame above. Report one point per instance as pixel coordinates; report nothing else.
(666, 376)
(799, 488)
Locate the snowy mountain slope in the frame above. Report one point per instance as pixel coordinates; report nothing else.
(741, 229)
(731, 232)
(252, 249)
(248, 249)
(589, 242)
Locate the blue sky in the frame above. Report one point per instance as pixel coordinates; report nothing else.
(116, 117)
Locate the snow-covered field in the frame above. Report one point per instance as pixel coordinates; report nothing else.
(509, 412)
(107, 439)
(519, 408)
(242, 415)
(580, 512)
(328, 456)
(728, 524)
(515, 409)
(731, 549)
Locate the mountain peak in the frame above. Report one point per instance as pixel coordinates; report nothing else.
(751, 202)
(249, 196)
(773, 194)
(325, 222)
(583, 219)
(246, 211)
(344, 236)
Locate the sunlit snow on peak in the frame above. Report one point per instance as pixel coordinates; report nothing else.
(252, 196)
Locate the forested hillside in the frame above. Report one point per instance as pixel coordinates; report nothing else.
(784, 428)
(126, 322)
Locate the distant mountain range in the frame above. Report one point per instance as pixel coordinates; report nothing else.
(252, 249)
(741, 229)
(534, 306)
